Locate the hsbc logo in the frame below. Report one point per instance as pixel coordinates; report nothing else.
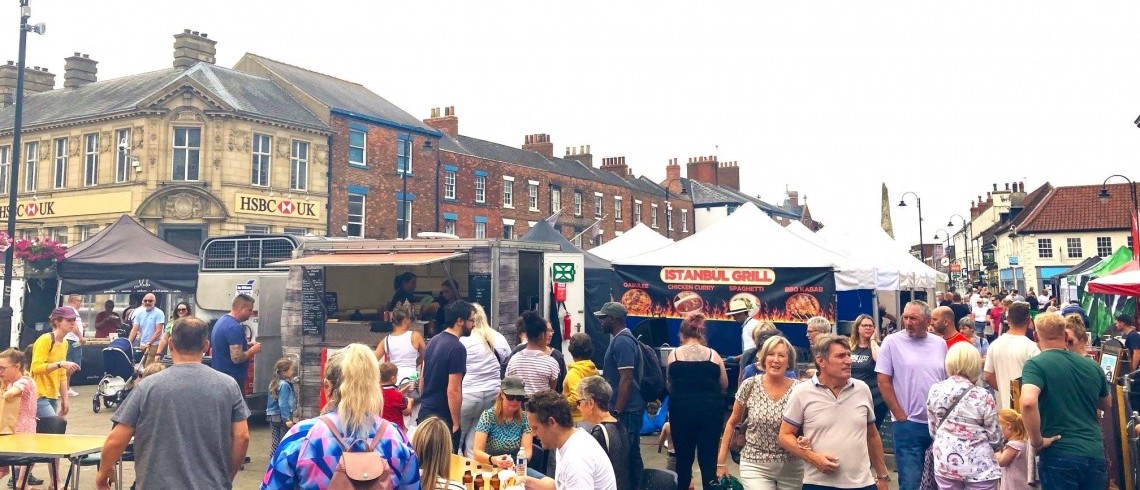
(31, 210)
(276, 207)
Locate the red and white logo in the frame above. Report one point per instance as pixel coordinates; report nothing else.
(31, 209)
(286, 207)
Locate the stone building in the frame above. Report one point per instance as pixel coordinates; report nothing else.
(190, 151)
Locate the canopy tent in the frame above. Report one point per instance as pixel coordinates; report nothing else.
(127, 258)
(1081, 268)
(1102, 307)
(876, 247)
(747, 237)
(1069, 281)
(1124, 281)
(598, 278)
(638, 240)
(884, 278)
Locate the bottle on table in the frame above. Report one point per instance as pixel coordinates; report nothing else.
(520, 463)
(495, 481)
(468, 480)
(479, 481)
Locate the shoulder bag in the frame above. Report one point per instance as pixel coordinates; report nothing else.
(928, 482)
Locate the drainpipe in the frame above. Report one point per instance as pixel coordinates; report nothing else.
(438, 167)
(329, 181)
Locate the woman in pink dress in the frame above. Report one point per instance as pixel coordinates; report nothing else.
(17, 385)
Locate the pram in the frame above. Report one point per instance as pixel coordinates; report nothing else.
(119, 373)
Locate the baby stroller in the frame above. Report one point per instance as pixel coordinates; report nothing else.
(118, 374)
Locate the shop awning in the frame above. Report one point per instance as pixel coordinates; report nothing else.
(366, 259)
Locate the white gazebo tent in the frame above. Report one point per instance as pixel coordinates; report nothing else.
(638, 240)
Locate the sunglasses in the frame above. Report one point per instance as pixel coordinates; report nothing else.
(516, 398)
(183, 309)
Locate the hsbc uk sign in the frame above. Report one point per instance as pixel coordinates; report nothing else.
(277, 206)
(62, 207)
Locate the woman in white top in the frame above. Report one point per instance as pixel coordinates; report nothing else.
(403, 347)
(486, 349)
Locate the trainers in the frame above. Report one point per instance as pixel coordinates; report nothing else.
(71, 393)
(32, 480)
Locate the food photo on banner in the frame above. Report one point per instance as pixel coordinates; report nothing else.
(786, 297)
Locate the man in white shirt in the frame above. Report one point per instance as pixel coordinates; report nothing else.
(743, 311)
(581, 463)
(75, 338)
(1008, 353)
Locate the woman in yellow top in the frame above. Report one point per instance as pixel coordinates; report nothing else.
(581, 349)
(49, 367)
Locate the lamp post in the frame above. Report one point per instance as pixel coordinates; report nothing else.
(921, 244)
(966, 228)
(946, 250)
(1103, 196)
(17, 155)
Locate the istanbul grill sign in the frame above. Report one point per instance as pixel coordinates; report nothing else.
(779, 295)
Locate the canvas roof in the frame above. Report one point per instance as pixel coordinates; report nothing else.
(638, 240)
(126, 257)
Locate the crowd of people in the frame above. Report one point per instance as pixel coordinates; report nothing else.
(944, 379)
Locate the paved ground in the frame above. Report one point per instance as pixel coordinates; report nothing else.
(84, 421)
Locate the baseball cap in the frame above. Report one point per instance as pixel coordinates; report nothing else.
(513, 386)
(65, 312)
(612, 309)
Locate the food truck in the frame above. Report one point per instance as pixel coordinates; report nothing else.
(338, 289)
(230, 265)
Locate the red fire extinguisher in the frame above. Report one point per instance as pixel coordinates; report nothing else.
(565, 324)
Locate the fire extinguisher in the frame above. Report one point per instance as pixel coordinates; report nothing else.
(565, 323)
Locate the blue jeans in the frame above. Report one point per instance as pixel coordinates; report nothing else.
(979, 328)
(911, 442)
(46, 407)
(1063, 471)
(632, 422)
(75, 352)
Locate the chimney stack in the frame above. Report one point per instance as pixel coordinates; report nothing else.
(794, 198)
(78, 70)
(703, 169)
(36, 80)
(581, 153)
(616, 165)
(728, 174)
(1007, 186)
(444, 121)
(1021, 187)
(539, 143)
(191, 47)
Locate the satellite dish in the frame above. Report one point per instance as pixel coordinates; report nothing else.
(945, 261)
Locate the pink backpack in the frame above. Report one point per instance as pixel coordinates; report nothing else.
(360, 470)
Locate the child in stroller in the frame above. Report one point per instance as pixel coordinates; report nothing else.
(119, 373)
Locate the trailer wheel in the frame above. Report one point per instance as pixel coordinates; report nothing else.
(95, 405)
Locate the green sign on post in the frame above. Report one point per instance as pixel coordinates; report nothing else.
(563, 272)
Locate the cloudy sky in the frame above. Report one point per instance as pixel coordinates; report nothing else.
(827, 98)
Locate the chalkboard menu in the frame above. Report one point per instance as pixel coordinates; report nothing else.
(313, 301)
(479, 290)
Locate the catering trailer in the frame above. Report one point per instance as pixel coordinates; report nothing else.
(244, 264)
(337, 290)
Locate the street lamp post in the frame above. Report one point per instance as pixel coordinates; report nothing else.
(921, 244)
(946, 250)
(1103, 196)
(966, 228)
(17, 156)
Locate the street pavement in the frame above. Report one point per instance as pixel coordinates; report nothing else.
(83, 421)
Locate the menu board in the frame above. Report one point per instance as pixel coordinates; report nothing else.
(313, 301)
(332, 304)
(479, 290)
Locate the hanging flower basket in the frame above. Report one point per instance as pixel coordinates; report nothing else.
(40, 255)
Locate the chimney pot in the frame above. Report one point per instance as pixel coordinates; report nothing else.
(186, 31)
(587, 148)
(194, 33)
(995, 186)
(204, 35)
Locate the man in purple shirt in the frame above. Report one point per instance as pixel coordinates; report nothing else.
(910, 361)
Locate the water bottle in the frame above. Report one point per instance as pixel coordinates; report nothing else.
(520, 463)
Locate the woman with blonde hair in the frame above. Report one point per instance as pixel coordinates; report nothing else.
(504, 429)
(308, 455)
(1078, 338)
(486, 351)
(749, 366)
(963, 421)
(864, 343)
(763, 462)
(432, 442)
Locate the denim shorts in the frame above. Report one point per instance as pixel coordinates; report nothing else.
(46, 407)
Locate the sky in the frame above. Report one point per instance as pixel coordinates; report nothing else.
(828, 98)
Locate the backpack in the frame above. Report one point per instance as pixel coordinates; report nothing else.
(360, 470)
(651, 377)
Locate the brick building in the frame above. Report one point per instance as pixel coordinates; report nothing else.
(493, 190)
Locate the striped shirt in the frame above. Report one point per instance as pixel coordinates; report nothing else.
(536, 368)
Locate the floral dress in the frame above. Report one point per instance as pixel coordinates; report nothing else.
(964, 444)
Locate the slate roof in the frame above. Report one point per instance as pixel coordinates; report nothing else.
(1023, 208)
(342, 94)
(1076, 208)
(708, 195)
(247, 94)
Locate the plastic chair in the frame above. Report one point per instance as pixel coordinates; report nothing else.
(657, 479)
(45, 425)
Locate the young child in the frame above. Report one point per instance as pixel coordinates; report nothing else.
(279, 412)
(396, 405)
(18, 387)
(1012, 458)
